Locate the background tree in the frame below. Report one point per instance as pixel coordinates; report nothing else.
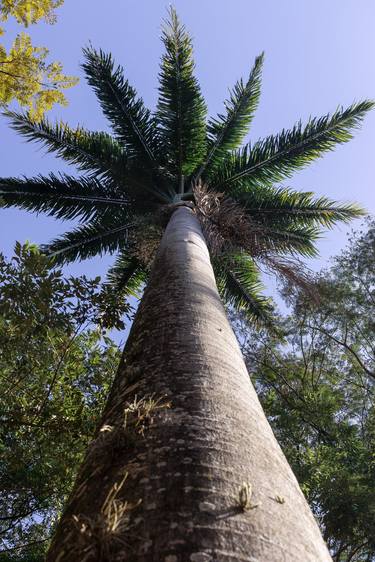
(173, 164)
(55, 372)
(317, 395)
(25, 74)
(317, 389)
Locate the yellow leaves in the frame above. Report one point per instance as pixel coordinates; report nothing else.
(28, 12)
(44, 101)
(27, 78)
(25, 74)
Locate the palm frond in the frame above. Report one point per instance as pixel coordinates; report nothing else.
(63, 196)
(130, 119)
(94, 152)
(239, 285)
(227, 225)
(278, 157)
(181, 109)
(227, 131)
(284, 206)
(127, 275)
(89, 240)
(293, 239)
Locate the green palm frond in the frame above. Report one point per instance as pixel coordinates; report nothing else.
(63, 196)
(130, 119)
(277, 157)
(181, 109)
(94, 152)
(284, 206)
(89, 240)
(239, 285)
(293, 239)
(226, 132)
(127, 275)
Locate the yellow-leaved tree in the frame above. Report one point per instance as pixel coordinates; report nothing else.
(25, 74)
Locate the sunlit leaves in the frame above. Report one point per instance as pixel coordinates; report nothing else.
(25, 74)
(28, 12)
(27, 77)
(284, 206)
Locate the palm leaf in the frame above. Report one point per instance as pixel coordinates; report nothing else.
(95, 152)
(89, 240)
(284, 206)
(63, 197)
(130, 120)
(226, 132)
(127, 275)
(278, 157)
(290, 239)
(239, 286)
(181, 109)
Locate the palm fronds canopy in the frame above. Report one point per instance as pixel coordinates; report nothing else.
(151, 161)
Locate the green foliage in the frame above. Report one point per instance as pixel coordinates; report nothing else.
(181, 108)
(84, 241)
(226, 132)
(239, 286)
(61, 196)
(55, 373)
(94, 152)
(285, 207)
(317, 389)
(127, 274)
(277, 157)
(127, 114)
(155, 160)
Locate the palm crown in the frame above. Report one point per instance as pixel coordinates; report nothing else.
(154, 161)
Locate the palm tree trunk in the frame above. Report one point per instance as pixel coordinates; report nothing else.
(185, 466)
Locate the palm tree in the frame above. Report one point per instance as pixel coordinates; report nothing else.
(184, 465)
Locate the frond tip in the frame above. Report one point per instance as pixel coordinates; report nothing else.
(277, 157)
(63, 197)
(94, 152)
(227, 131)
(283, 206)
(88, 241)
(181, 108)
(130, 119)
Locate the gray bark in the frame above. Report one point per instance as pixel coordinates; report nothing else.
(205, 479)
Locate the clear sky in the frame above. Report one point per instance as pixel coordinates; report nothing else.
(318, 54)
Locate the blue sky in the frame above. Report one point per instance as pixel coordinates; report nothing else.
(318, 55)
